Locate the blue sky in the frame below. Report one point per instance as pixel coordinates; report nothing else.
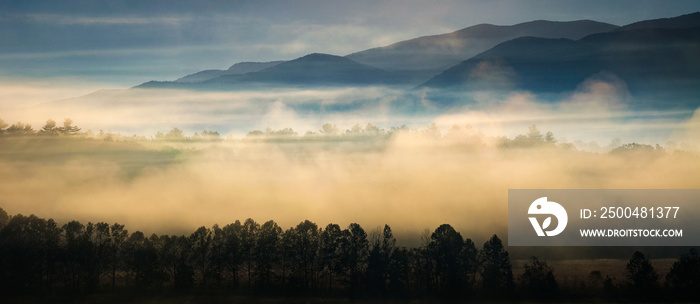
(121, 43)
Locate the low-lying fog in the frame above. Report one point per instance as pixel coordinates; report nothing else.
(448, 165)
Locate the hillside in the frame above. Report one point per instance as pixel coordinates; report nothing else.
(439, 52)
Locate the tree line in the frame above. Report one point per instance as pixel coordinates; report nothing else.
(465, 135)
(39, 257)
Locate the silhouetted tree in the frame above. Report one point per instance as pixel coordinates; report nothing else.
(101, 240)
(538, 279)
(207, 136)
(329, 253)
(496, 269)
(4, 218)
(216, 255)
(3, 125)
(117, 239)
(28, 255)
(267, 252)
(255, 134)
(233, 249)
(248, 236)
(534, 135)
(329, 129)
(470, 263)
(423, 263)
(641, 275)
(68, 127)
(445, 248)
(79, 258)
(354, 130)
(142, 262)
(549, 138)
(49, 128)
(200, 241)
(19, 129)
(378, 260)
(305, 243)
(287, 257)
(281, 133)
(180, 249)
(399, 272)
(51, 250)
(354, 251)
(370, 128)
(638, 150)
(684, 276)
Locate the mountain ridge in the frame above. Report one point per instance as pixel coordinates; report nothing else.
(527, 62)
(408, 71)
(438, 52)
(682, 21)
(647, 61)
(311, 69)
(235, 69)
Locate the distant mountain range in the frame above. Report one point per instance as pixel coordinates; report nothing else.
(236, 69)
(646, 58)
(540, 56)
(414, 61)
(310, 70)
(440, 52)
(684, 21)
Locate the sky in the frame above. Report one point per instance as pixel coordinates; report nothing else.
(122, 43)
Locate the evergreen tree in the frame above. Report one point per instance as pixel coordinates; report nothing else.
(496, 269)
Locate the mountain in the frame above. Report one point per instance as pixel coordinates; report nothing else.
(417, 60)
(200, 76)
(248, 67)
(684, 21)
(439, 52)
(236, 69)
(313, 69)
(649, 61)
(528, 62)
(310, 70)
(540, 56)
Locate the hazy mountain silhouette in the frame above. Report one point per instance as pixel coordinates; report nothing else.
(314, 69)
(654, 57)
(310, 70)
(200, 76)
(439, 52)
(236, 69)
(684, 21)
(650, 61)
(522, 62)
(417, 60)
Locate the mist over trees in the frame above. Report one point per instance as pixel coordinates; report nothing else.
(329, 132)
(41, 257)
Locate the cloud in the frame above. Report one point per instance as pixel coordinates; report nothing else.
(144, 112)
(412, 181)
(457, 173)
(56, 19)
(600, 109)
(23, 92)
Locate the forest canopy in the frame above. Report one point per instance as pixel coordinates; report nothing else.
(41, 257)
